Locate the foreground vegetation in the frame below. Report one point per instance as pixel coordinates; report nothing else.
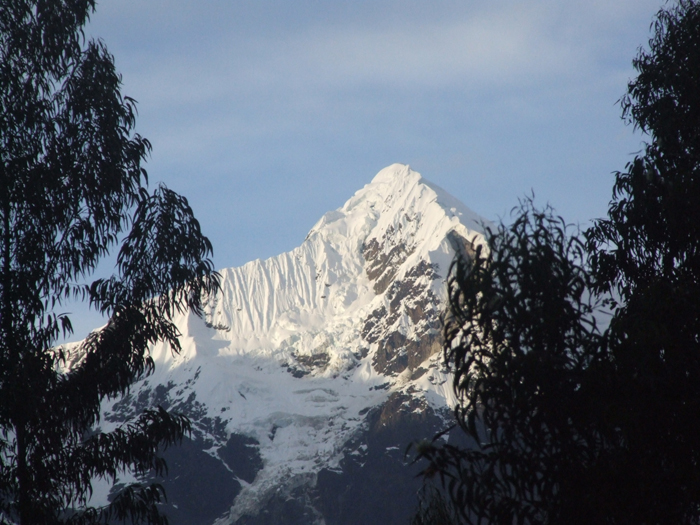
(72, 189)
(577, 356)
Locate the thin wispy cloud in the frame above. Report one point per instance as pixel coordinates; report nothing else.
(503, 45)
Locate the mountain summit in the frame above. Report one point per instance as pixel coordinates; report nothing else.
(313, 370)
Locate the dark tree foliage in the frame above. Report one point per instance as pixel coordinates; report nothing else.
(71, 189)
(572, 425)
(521, 337)
(646, 255)
(653, 224)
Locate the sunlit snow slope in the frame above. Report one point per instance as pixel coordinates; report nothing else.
(305, 358)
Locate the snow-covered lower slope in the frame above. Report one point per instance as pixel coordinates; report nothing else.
(309, 364)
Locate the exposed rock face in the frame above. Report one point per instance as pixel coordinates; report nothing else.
(314, 370)
(374, 483)
(385, 258)
(414, 307)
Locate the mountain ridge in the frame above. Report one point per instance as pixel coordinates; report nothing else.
(309, 363)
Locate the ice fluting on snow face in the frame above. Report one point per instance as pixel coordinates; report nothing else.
(331, 282)
(300, 353)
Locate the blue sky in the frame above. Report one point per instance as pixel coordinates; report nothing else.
(266, 114)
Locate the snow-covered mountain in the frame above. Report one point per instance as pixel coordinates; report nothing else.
(313, 370)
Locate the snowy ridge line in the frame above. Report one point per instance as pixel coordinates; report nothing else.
(324, 276)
